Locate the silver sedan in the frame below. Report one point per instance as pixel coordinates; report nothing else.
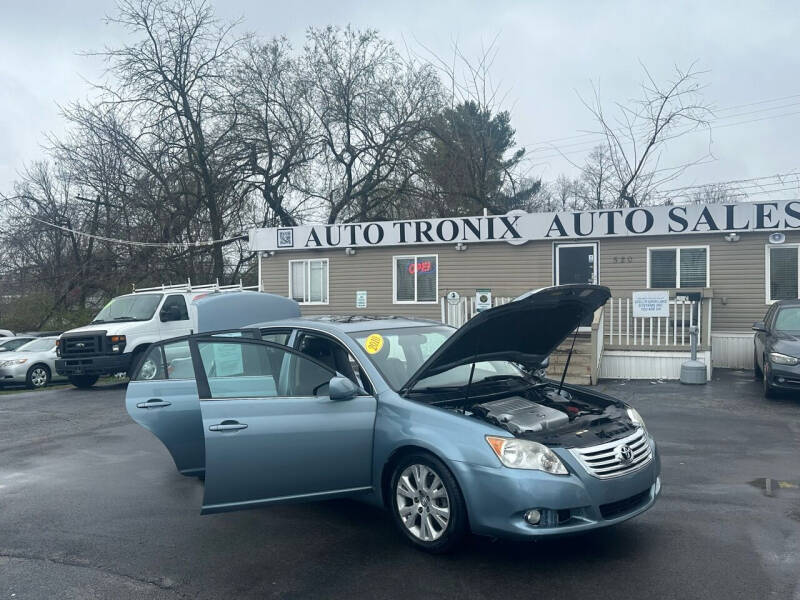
(32, 364)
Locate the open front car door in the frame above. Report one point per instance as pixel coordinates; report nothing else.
(272, 432)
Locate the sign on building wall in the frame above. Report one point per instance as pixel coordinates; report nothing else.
(652, 303)
(361, 299)
(518, 227)
(483, 300)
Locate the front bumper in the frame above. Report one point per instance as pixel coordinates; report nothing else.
(93, 365)
(14, 374)
(498, 498)
(784, 377)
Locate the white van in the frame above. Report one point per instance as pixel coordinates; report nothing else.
(127, 325)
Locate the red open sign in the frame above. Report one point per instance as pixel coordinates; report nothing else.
(423, 266)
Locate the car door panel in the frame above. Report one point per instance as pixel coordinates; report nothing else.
(177, 424)
(292, 448)
(282, 445)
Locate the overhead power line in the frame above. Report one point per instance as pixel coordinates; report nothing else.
(585, 145)
(183, 245)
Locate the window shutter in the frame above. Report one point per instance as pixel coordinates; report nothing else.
(662, 268)
(693, 267)
(782, 273)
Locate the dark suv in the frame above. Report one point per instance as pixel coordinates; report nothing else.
(776, 352)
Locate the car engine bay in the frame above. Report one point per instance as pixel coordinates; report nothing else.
(548, 413)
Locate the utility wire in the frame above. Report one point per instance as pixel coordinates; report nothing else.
(198, 244)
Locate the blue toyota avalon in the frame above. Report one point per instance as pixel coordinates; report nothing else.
(451, 430)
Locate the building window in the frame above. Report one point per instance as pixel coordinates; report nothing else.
(308, 281)
(416, 279)
(681, 267)
(782, 272)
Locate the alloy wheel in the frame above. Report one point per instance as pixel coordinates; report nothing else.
(38, 377)
(422, 502)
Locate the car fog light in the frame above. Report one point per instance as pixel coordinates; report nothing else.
(533, 517)
(115, 348)
(658, 485)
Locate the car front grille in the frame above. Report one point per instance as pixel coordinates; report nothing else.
(80, 346)
(616, 458)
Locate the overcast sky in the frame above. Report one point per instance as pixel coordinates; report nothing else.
(549, 52)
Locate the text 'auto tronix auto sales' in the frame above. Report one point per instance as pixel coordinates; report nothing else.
(520, 227)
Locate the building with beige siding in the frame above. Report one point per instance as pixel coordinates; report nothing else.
(715, 267)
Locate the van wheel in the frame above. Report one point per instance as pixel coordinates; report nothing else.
(427, 504)
(83, 381)
(757, 372)
(38, 377)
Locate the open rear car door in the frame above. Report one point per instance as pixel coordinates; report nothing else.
(162, 397)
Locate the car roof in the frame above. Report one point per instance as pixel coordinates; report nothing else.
(351, 323)
(789, 302)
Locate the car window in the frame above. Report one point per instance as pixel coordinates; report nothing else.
(38, 345)
(166, 361)
(138, 307)
(788, 319)
(246, 370)
(399, 353)
(174, 309)
(276, 336)
(335, 355)
(13, 344)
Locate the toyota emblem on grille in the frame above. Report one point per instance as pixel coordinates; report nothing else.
(80, 345)
(625, 454)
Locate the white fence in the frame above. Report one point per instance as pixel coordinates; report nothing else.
(462, 311)
(622, 329)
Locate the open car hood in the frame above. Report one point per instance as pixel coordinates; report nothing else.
(524, 331)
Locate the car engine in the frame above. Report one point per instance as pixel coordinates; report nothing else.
(520, 415)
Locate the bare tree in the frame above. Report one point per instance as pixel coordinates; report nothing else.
(276, 129)
(372, 108)
(172, 80)
(637, 133)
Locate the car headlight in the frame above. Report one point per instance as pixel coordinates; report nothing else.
(636, 418)
(11, 363)
(783, 359)
(523, 454)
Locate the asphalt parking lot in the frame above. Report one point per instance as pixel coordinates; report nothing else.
(92, 506)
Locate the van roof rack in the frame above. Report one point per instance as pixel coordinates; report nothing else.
(188, 287)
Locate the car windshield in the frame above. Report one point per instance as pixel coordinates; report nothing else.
(399, 353)
(12, 344)
(39, 345)
(139, 307)
(788, 319)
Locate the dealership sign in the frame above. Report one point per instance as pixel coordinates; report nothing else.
(518, 227)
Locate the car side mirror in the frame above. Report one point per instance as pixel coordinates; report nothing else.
(760, 326)
(341, 388)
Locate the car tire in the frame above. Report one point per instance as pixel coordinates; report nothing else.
(769, 391)
(83, 381)
(757, 372)
(38, 377)
(429, 511)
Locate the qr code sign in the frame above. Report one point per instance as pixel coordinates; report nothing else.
(285, 238)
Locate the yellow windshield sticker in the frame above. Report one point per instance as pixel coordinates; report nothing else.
(374, 343)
